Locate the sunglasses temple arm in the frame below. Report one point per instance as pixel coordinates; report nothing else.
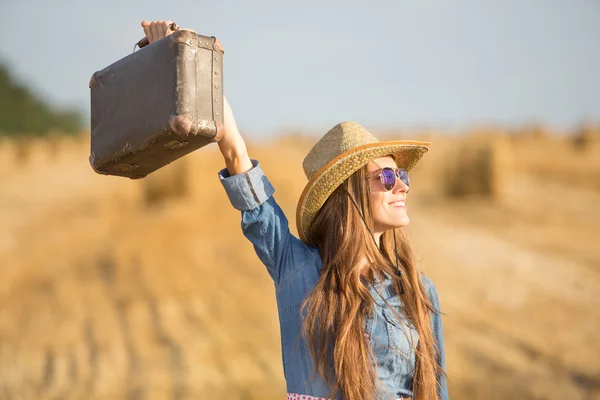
(361, 215)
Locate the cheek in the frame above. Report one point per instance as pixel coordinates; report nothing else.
(377, 204)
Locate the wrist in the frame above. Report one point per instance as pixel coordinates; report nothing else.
(232, 145)
(235, 154)
(238, 163)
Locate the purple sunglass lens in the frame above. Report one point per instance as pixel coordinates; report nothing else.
(388, 177)
(403, 175)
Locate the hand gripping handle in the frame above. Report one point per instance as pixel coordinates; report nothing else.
(144, 42)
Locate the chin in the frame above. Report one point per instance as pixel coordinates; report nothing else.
(405, 221)
(399, 224)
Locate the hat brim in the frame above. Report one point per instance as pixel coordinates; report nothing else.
(328, 178)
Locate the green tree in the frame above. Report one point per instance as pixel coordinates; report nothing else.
(23, 113)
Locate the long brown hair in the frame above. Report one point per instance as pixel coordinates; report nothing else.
(337, 306)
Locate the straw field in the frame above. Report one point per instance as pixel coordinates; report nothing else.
(120, 289)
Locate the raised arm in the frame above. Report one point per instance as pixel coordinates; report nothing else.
(232, 145)
(263, 221)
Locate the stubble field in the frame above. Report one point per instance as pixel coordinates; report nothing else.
(120, 289)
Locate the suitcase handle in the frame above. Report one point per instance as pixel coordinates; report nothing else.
(144, 42)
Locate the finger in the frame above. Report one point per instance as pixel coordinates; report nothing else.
(148, 33)
(168, 29)
(155, 31)
(145, 23)
(164, 28)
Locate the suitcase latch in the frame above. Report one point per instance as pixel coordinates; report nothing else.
(126, 167)
(175, 144)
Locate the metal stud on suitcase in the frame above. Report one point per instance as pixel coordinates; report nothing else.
(157, 105)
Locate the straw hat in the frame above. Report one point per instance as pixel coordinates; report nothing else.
(342, 151)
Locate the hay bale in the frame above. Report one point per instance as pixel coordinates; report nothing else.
(481, 167)
(586, 136)
(167, 183)
(500, 167)
(462, 166)
(531, 134)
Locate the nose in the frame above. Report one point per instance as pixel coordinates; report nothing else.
(400, 187)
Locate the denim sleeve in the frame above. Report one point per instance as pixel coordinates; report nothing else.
(438, 333)
(264, 222)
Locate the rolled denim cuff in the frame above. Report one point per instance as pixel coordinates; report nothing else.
(247, 190)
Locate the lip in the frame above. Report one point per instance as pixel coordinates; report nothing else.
(397, 201)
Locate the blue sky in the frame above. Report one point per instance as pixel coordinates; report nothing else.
(310, 64)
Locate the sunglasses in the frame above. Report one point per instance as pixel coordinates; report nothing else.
(388, 176)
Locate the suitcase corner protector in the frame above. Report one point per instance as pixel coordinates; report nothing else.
(181, 125)
(93, 81)
(96, 169)
(182, 36)
(217, 46)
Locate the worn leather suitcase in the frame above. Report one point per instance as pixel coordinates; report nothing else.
(157, 105)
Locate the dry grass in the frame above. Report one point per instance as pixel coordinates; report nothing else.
(113, 288)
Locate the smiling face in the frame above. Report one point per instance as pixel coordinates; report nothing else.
(388, 208)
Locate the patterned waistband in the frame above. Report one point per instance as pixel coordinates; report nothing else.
(296, 396)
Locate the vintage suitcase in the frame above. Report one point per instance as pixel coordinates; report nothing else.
(157, 105)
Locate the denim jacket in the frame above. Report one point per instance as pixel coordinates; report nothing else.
(295, 268)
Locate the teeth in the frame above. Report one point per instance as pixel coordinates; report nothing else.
(397, 204)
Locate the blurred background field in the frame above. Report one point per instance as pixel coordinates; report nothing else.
(113, 288)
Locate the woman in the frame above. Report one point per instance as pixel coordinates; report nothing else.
(357, 319)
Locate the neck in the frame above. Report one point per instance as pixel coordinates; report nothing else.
(377, 236)
(364, 268)
(364, 263)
